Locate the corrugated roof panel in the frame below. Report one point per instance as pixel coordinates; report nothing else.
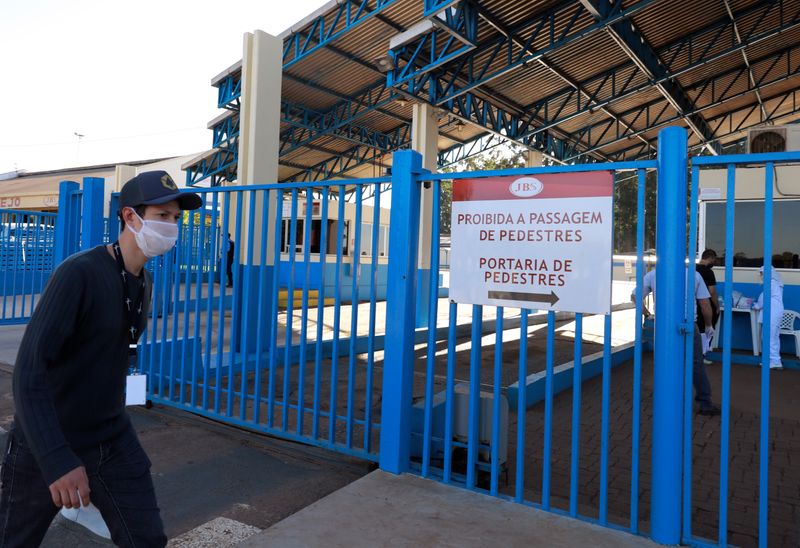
(636, 100)
(599, 47)
(667, 21)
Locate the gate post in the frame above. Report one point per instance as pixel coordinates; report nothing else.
(63, 219)
(398, 372)
(92, 214)
(668, 356)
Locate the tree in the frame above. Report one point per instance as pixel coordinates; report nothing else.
(507, 157)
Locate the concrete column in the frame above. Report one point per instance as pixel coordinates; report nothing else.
(533, 158)
(259, 141)
(425, 139)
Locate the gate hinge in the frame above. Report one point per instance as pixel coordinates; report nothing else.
(686, 328)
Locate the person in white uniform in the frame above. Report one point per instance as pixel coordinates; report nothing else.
(775, 314)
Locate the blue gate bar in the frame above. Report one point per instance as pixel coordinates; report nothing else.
(355, 252)
(223, 283)
(301, 373)
(337, 306)
(248, 291)
(398, 380)
(548, 408)
(291, 241)
(198, 291)
(637, 351)
(763, 462)
(174, 257)
(373, 274)
(498, 364)
(323, 248)
(522, 406)
(577, 368)
(665, 510)
(730, 212)
(210, 300)
(689, 330)
(262, 290)
(186, 237)
(605, 420)
(449, 392)
(273, 339)
(432, 312)
(474, 393)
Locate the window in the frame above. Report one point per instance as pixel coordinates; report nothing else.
(383, 241)
(748, 235)
(366, 239)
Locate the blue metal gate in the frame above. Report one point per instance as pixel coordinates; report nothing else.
(276, 336)
(27, 241)
(280, 311)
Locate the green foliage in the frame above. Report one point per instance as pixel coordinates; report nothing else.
(625, 196)
(507, 157)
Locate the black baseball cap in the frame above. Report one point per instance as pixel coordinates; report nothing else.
(154, 188)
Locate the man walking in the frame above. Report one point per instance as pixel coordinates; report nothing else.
(72, 440)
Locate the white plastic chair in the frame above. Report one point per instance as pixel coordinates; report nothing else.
(787, 328)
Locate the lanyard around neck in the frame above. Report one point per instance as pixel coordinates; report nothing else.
(133, 308)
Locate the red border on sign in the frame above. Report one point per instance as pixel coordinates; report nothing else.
(588, 184)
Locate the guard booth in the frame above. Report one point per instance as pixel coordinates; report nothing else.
(748, 237)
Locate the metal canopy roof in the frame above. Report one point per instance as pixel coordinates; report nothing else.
(580, 80)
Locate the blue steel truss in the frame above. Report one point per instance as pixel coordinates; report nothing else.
(326, 28)
(229, 91)
(641, 53)
(453, 32)
(219, 166)
(732, 123)
(456, 83)
(726, 86)
(563, 24)
(358, 155)
(226, 132)
(308, 124)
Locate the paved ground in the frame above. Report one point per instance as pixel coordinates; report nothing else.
(386, 510)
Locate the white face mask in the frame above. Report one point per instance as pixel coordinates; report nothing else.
(155, 237)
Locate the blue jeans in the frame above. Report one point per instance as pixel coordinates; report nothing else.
(702, 387)
(121, 488)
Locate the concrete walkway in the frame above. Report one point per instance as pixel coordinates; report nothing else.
(382, 509)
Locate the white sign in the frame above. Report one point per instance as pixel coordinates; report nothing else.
(533, 242)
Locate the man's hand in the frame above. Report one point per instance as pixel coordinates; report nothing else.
(710, 332)
(65, 490)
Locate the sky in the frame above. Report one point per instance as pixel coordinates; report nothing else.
(133, 78)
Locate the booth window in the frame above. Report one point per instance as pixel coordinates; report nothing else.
(748, 235)
(314, 237)
(366, 239)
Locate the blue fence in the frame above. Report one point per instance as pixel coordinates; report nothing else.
(236, 338)
(26, 260)
(751, 441)
(291, 335)
(508, 415)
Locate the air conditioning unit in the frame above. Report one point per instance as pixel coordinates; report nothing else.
(773, 139)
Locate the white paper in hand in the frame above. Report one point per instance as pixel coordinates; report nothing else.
(706, 342)
(136, 390)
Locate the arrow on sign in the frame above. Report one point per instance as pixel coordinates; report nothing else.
(552, 298)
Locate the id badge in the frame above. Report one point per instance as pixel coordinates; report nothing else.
(136, 390)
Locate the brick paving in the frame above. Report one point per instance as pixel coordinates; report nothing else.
(784, 441)
(743, 497)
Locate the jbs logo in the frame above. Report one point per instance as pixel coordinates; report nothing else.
(525, 187)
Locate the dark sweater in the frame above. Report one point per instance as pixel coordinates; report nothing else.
(69, 379)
